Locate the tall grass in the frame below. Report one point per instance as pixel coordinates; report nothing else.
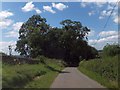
(26, 75)
(53, 67)
(19, 75)
(104, 70)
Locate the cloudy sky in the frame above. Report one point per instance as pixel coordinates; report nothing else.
(92, 14)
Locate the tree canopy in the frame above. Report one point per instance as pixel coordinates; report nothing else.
(69, 42)
(111, 50)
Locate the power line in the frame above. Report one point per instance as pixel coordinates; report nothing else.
(110, 14)
(107, 20)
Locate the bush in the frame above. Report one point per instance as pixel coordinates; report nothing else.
(106, 67)
(111, 50)
(41, 58)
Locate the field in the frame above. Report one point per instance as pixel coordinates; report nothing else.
(103, 70)
(31, 75)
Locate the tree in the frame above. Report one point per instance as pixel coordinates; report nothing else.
(53, 43)
(69, 42)
(74, 40)
(111, 50)
(29, 32)
(76, 26)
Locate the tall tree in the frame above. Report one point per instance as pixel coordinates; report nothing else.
(69, 42)
(31, 30)
(74, 40)
(76, 26)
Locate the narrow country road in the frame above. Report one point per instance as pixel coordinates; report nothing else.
(71, 77)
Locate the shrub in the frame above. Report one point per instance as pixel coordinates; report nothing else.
(106, 67)
(41, 58)
(111, 50)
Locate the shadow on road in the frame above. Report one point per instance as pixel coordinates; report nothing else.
(55, 70)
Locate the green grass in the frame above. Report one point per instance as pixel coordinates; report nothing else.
(28, 75)
(46, 80)
(104, 71)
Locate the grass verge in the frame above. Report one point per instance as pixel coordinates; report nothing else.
(31, 75)
(104, 71)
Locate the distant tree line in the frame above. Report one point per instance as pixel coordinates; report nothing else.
(69, 42)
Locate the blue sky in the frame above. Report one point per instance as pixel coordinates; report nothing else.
(93, 15)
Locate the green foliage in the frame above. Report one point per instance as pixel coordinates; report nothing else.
(111, 50)
(41, 58)
(29, 32)
(106, 68)
(36, 38)
(26, 75)
(17, 76)
(53, 67)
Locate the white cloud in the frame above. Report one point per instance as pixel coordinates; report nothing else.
(14, 32)
(59, 6)
(83, 4)
(91, 13)
(5, 23)
(38, 11)
(99, 4)
(4, 46)
(91, 33)
(49, 9)
(107, 33)
(110, 6)
(113, 38)
(5, 14)
(108, 11)
(16, 26)
(106, 37)
(105, 13)
(101, 17)
(30, 7)
(117, 19)
(99, 44)
(112, 0)
(99, 0)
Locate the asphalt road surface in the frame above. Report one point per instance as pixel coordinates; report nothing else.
(71, 77)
